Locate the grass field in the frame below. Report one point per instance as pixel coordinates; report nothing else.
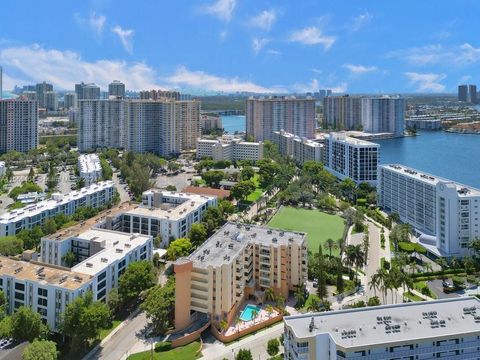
(254, 196)
(319, 226)
(187, 352)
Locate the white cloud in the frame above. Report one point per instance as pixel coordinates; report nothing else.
(426, 82)
(65, 68)
(223, 9)
(258, 44)
(359, 69)
(464, 54)
(274, 52)
(465, 78)
(223, 35)
(264, 20)
(95, 22)
(312, 36)
(126, 38)
(184, 77)
(361, 20)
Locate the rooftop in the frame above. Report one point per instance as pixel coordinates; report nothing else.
(57, 199)
(342, 136)
(115, 244)
(89, 163)
(462, 190)
(220, 193)
(223, 246)
(172, 211)
(390, 324)
(83, 226)
(42, 273)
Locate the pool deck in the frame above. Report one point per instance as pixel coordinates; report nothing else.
(242, 325)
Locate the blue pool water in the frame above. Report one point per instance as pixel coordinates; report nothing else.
(247, 313)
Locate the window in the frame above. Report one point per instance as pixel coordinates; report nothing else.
(19, 286)
(42, 292)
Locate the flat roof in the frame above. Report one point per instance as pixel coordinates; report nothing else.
(89, 163)
(116, 244)
(389, 324)
(191, 202)
(462, 190)
(83, 226)
(56, 200)
(44, 274)
(220, 193)
(343, 137)
(223, 246)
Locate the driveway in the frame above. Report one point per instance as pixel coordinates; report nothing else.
(437, 287)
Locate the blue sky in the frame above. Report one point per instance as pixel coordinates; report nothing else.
(243, 45)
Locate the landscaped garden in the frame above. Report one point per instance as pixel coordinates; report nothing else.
(318, 225)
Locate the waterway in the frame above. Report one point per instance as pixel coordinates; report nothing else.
(233, 123)
(449, 155)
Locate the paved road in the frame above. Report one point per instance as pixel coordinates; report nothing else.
(257, 344)
(123, 341)
(120, 188)
(437, 287)
(180, 181)
(373, 263)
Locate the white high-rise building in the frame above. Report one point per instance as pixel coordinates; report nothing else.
(300, 149)
(342, 112)
(51, 100)
(443, 329)
(18, 125)
(384, 114)
(70, 100)
(1, 83)
(443, 213)
(266, 115)
(347, 157)
(116, 89)
(229, 147)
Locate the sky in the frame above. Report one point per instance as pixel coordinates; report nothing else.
(204, 46)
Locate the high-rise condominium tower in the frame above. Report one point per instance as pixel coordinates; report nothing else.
(384, 114)
(162, 127)
(42, 89)
(342, 112)
(266, 115)
(18, 125)
(116, 88)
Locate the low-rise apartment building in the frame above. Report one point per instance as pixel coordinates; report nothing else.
(95, 195)
(444, 214)
(300, 149)
(3, 168)
(165, 213)
(89, 168)
(443, 329)
(347, 157)
(237, 262)
(49, 285)
(230, 148)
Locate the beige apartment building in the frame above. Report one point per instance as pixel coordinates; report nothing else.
(238, 263)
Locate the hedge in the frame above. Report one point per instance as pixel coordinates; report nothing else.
(411, 247)
(439, 273)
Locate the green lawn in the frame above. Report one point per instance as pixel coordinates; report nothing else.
(187, 352)
(105, 332)
(254, 196)
(319, 226)
(412, 296)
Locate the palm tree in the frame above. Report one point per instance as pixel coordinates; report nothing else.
(280, 302)
(237, 324)
(381, 275)
(374, 283)
(428, 267)
(269, 295)
(314, 304)
(329, 245)
(223, 325)
(300, 296)
(269, 309)
(442, 263)
(254, 315)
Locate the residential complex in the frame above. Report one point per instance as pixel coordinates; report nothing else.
(96, 195)
(347, 157)
(443, 329)
(342, 112)
(265, 115)
(237, 262)
(372, 114)
(467, 93)
(209, 122)
(300, 149)
(49, 285)
(229, 147)
(159, 94)
(51, 100)
(423, 122)
(116, 89)
(162, 127)
(168, 214)
(3, 168)
(41, 90)
(18, 125)
(70, 100)
(89, 168)
(444, 214)
(383, 114)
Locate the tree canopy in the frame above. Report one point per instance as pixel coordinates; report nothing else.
(178, 248)
(138, 276)
(40, 350)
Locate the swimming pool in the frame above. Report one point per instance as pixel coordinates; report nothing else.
(247, 313)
